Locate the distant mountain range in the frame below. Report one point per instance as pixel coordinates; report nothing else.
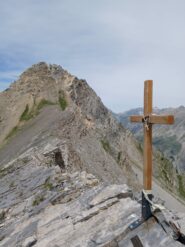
(169, 147)
(169, 139)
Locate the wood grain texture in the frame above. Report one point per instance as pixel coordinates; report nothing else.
(147, 169)
(136, 119)
(148, 90)
(148, 120)
(156, 119)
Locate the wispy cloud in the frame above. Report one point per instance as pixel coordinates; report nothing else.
(115, 45)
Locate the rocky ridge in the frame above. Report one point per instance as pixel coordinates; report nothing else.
(47, 102)
(64, 165)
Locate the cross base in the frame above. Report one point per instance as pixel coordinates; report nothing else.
(145, 209)
(146, 205)
(136, 224)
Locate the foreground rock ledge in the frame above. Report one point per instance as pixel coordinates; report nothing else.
(47, 207)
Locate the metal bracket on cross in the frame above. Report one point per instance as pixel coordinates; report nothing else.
(147, 209)
(146, 122)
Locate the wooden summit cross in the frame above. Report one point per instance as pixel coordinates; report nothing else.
(148, 119)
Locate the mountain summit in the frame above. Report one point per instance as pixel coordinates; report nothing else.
(47, 102)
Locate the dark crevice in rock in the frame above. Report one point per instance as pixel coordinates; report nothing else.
(59, 160)
(31, 242)
(182, 239)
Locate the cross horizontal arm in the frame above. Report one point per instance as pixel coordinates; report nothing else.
(153, 119)
(136, 119)
(156, 119)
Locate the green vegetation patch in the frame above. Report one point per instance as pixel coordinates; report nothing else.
(48, 185)
(181, 185)
(62, 103)
(26, 115)
(166, 171)
(167, 143)
(12, 132)
(38, 199)
(106, 146)
(62, 100)
(44, 103)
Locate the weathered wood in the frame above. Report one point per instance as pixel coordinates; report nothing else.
(148, 91)
(147, 169)
(156, 119)
(148, 120)
(136, 119)
(153, 119)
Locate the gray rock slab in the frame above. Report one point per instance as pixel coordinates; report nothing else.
(29, 242)
(151, 234)
(111, 191)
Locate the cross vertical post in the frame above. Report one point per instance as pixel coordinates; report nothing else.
(147, 178)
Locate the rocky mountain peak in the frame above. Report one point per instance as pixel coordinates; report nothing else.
(50, 84)
(40, 77)
(42, 68)
(66, 107)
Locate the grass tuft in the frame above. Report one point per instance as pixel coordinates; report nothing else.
(62, 102)
(106, 146)
(38, 199)
(26, 115)
(12, 132)
(181, 186)
(48, 185)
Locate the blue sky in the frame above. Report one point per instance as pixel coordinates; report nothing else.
(114, 44)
